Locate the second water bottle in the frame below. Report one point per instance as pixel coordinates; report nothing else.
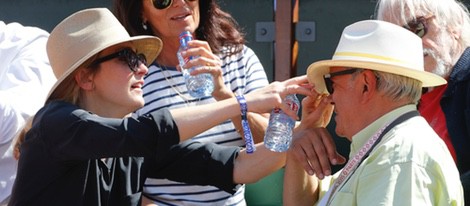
(278, 136)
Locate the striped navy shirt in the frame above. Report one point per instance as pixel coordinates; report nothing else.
(164, 88)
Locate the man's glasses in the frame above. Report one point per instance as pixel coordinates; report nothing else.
(419, 26)
(163, 4)
(127, 55)
(329, 82)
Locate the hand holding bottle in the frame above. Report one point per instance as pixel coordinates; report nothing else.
(206, 62)
(199, 85)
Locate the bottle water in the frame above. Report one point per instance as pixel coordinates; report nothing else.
(278, 136)
(200, 85)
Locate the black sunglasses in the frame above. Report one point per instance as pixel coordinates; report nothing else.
(163, 4)
(127, 55)
(329, 82)
(419, 26)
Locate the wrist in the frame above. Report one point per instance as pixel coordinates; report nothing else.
(249, 142)
(222, 94)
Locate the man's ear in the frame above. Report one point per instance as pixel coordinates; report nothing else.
(84, 80)
(455, 32)
(370, 83)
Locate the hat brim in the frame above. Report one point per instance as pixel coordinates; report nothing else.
(150, 46)
(317, 70)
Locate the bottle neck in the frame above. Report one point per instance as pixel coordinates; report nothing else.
(184, 41)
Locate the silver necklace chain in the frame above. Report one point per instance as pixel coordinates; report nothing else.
(172, 84)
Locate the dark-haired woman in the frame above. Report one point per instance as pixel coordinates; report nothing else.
(222, 52)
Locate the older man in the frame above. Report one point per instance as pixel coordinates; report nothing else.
(444, 28)
(375, 79)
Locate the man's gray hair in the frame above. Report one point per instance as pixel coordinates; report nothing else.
(449, 13)
(399, 87)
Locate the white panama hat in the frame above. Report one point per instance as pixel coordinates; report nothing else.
(86, 33)
(376, 45)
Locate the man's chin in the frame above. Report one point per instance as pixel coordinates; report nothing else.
(437, 67)
(442, 70)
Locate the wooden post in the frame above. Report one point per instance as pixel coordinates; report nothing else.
(285, 49)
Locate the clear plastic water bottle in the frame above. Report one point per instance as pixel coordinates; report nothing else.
(200, 85)
(278, 136)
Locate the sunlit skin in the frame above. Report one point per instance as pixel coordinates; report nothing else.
(351, 95)
(346, 97)
(168, 23)
(115, 90)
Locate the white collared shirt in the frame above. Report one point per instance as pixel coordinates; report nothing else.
(25, 79)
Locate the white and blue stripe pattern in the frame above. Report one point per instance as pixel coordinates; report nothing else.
(243, 73)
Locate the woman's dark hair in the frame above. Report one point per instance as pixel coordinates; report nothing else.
(217, 27)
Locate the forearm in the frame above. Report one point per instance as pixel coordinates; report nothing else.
(250, 168)
(194, 120)
(258, 122)
(258, 125)
(299, 187)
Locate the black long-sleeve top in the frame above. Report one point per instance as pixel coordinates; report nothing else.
(73, 157)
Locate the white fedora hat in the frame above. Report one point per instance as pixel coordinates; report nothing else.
(376, 45)
(86, 33)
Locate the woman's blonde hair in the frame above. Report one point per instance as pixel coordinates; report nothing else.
(67, 91)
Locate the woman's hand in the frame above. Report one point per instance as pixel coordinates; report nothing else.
(273, 94)
(207, 62)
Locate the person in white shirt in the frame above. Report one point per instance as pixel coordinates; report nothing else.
(25, 80)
